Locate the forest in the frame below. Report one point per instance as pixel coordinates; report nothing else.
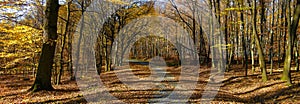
(149, 51)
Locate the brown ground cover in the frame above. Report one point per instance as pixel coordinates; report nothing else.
(235, 88)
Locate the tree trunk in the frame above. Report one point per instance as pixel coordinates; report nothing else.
(62, 61)
(292, 27)
(282, 32)
(262, 25)
(77, 54)
(259, 49)
(243, 41)
(272, 36)
(107, 56)
(297, 55)
(43, 75)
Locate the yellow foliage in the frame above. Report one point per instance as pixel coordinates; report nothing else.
(18, 42)
(18, 38)
(120, 2)
(238, 9)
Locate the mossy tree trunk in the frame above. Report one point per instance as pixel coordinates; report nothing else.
(43, 75)
(292, 29)
(259, 49)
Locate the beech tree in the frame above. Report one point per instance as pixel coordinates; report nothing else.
(292, 29)
(43, 75)
(258, 45)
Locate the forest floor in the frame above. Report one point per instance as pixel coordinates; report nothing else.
(235, 88)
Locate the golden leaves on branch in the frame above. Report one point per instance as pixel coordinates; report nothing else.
(19, 38)
(120, 2)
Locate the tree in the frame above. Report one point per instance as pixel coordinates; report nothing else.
(65, 18)
(245, 63)
(292, 29)
(21, 13)
(112, 27)
(259, 49)
(43, 75)
(272, 38)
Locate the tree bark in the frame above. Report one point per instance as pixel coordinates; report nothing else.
(292, 27)
(243, 40)
(272, 40)
(43, 75)
(259, 49)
